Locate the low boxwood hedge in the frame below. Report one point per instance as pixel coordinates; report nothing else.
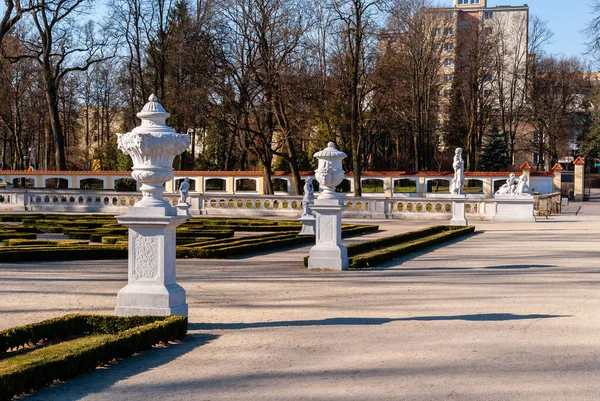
(78, 252)
(371, 253)
(378, 256)
(15, 235)
(105, 338)
(111, 240)
(42, 242)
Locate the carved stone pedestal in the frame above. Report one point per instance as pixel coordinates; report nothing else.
(328, 253)
(151, 287)
(514, 208)
(458, 210)
(308, 224)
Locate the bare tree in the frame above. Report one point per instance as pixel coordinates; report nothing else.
(558, 96)
(60, 47)
(354, 58)
(509, 87)
(416, 48)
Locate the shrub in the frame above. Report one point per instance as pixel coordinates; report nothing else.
(107, 338)
(111, 240)
(379, 256)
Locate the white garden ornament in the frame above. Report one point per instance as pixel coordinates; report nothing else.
(152, 287)
(328, 252)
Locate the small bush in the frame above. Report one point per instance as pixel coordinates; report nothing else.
(106, 338)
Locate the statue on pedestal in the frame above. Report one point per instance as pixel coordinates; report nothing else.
(522, 188)
(307, 200)
(458, 182)
(184, 189)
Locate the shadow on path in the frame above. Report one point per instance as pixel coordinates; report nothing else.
(359, 321)
(103, 378)
(501, 267)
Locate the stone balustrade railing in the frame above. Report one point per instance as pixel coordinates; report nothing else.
(548, 204)
(427, 208)
(384, 184)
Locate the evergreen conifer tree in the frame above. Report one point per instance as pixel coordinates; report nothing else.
(495, 154)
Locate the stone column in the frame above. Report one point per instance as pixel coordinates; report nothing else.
(557, 178)
(152, 287)
(526, 168)
(579, 179)
(328, 252)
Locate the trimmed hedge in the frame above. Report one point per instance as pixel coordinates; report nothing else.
(373, 258)
(79, 252)
(370, 253)
(111, 240)
(15, 235)
(42, 242)
(107, 338)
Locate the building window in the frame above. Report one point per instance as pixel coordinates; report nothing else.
(448, 31)
(438, 31)
(448, 77)
(474, 1)
(463, 24)
(449, 46)
(447, 62)
(461, 2)
(487, 92)
(488, 15)
(446, 92)
(489, 30)
(536, 158)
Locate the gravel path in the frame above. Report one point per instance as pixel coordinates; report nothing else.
(510, 313)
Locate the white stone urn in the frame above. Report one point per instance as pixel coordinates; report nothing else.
(153, 145)
(330, 172)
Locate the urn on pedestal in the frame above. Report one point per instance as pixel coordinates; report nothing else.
(151, 288)
(328, 252)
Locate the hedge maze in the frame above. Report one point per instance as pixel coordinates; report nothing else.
(101, 237)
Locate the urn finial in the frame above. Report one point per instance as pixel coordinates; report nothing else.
(330, 172)
(153, 145)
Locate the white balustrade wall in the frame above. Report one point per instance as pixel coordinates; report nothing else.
(111, 202)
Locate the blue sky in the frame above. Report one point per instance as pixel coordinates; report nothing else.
(566, 18)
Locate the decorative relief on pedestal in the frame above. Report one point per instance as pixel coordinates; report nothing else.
(145, 251)
(327, 229)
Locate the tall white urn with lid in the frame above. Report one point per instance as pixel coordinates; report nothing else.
(151, 288)
(328, 252)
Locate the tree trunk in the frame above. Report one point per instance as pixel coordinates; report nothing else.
(57, 133)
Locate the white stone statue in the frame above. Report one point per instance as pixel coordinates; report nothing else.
(458, 182)
(522, 188)
(184, 189)
(510, 186)
(307, 200)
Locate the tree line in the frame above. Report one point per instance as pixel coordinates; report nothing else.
(263, 84)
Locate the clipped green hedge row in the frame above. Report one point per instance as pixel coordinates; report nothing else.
(360, 247)
(41, 242)
(373, 258)
(241, 249)
(370, 253)
(107, 338)
(15, 235)
(79, 252)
